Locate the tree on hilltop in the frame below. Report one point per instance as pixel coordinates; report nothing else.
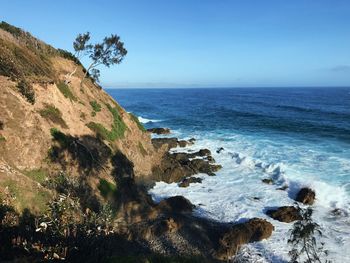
(109, 52)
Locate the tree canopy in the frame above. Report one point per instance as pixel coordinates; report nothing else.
(109, 52)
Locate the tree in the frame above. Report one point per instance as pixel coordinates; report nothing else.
(111, 51)
(303, 239)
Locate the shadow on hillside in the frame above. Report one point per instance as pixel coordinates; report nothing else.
(87, 152)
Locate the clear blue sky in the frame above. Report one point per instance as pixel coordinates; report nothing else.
(204, 42)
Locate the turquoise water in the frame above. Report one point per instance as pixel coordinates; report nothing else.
(300, 137)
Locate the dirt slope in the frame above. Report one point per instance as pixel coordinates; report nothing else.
(35, 99)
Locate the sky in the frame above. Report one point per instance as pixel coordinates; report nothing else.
(203, 43)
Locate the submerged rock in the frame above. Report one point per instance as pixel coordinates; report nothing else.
(267, 181)
(187, 181)
(285, 214)
(306, 196)
(219, 150)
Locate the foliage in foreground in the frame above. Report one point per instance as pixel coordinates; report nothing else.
(304, 238)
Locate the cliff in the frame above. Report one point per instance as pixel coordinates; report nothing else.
(74, 167)
(35, 101)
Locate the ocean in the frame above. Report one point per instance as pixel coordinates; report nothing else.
(297, 136)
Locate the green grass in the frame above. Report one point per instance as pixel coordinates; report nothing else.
(36, 199)
(50, 112)
(118, 127)
(136, 120)
(142, 149)
(106, 188)
(65, 90)
(38, 175)
(95, 106)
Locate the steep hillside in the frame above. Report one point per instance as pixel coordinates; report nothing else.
(74, 166)
(35, 102)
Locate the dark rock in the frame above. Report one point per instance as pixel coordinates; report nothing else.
(182, 143)
(210, 159)
(203, 152)
(203, 166)
(176, 204)
(306, 196)
(192, 140)
(187, 181)
(337, 212)
(255, 229)
(267, 181)
(282, 188)
(285, 214)
(159, 130)
(159, 142)
(219, 150)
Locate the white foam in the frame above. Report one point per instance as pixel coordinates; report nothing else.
(145, 120)
(230, 196)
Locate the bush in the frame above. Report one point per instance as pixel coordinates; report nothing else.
(136, 120)
(118, 127)
(106, 188)
(95, 106)
(2, 138)
(26, 90)
(64, 88)
(304, 237)
(53, 114)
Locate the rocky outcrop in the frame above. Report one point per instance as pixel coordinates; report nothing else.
(187, 181)
(175, 167)
(159, 131)
(255, 229)
(175, 204)
(306, 196)
(285, 214)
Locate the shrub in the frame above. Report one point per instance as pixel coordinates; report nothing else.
(68, 55)
(60, 137)
(65, 90)
(2, 138)
(136, 120)
(118, 127)
(53, 114)
(304, 237)
(26, 90)
(2, 125)
(106, 188)
(95, 106)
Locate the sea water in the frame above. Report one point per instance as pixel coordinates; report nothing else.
(298, 136)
